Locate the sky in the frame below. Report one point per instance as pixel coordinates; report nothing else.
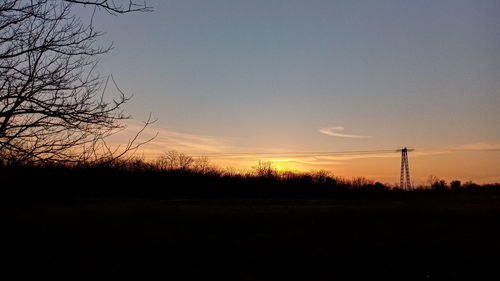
(231, 79)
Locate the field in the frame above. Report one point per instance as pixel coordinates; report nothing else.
(390, 236)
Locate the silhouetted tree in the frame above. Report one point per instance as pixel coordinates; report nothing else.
(470, 185)
(174, 160)
(455, 185)
(439, 185)
(361, 182)
(264, 169)
(431, 179)
(52, 103)
(114, 7)
(202, 165)
(322, 177)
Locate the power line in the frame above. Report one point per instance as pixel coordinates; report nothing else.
(289, 153)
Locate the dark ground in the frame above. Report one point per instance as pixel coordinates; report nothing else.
(390, 236)
(87, 224)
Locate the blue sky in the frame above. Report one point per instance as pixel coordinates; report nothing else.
(264, 75)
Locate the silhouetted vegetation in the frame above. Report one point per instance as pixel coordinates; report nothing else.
(177, 175)
(181, 217)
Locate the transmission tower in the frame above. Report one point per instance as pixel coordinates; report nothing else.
(404, 182)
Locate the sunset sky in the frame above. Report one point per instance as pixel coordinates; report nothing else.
(230, 79)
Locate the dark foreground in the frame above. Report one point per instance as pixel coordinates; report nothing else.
(393, 236)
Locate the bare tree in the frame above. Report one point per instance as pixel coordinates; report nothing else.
(114, 7)
(174, 160)
(432, 179)
(202, 165)
(265, 169)
(52, 102)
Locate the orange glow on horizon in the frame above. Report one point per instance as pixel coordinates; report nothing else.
(477, 162)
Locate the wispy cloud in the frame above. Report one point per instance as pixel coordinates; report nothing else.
(226, 152)
(333, 131)
(166, 140)
(475, 147)
(478, 146)
(329, 159)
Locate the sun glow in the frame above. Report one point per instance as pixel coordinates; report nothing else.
(283, 164)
